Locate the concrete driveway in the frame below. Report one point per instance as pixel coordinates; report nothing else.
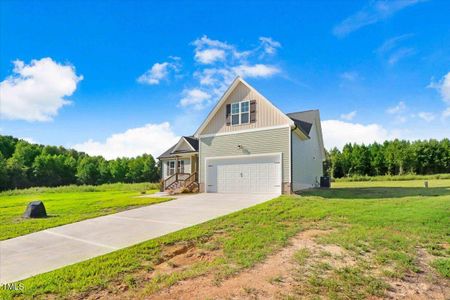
(50, 249)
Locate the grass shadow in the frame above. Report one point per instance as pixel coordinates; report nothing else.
(376, 192)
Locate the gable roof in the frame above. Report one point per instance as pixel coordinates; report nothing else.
(172, 151)
(224, 97)
(180, 143)
(192, 141)
(304, 121)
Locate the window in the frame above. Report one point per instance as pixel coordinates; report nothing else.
(170, 168)
(181, 166)
(240, 112)
(235, 113)
(245, 115)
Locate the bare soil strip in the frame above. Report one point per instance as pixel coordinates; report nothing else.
(282, 275)
(268, 280)
(278, 277)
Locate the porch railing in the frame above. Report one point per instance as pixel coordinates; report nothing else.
(185, 179)
(191, 179)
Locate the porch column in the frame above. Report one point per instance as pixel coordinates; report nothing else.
(176, 167)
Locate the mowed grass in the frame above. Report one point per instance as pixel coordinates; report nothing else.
(68, 204)
(382, 227)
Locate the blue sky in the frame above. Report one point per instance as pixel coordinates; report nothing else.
(119, 78)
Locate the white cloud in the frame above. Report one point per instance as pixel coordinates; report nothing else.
(29, 140)
(446, 113)
(400, 119)
(426, 116)
(392, 43)
(391, 50)
(349, 116)
(443, 86)
(209, 56)
(151, 138)
(204, 41)
(338, 133)
(195, 98)
(159, 71)
(398, 112)
(213, 76)
(220, 62)
(258, 70)
(399, 108)
(208, 51)
(371, 14)
(36, 92)
(400, 54)
(269, 45)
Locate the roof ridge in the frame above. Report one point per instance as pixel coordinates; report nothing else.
(303, 111)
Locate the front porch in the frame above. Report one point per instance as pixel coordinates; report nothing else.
(179, 173)
(179, 166)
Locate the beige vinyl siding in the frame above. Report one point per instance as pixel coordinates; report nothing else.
(306, 161)
(256, 142)
(184, 146)
(266, 114)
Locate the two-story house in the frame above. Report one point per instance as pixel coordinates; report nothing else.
(247, 145)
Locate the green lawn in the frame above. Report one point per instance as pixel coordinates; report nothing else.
(68, 204)
(383, 226)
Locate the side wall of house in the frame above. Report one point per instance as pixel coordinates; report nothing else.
(255, 142)
(307, 167)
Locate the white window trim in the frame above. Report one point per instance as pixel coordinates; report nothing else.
(239, 103)
(170, 168)
(247, 112)
(234, 114)
(180, 167)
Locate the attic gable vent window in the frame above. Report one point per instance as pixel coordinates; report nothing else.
(240, 113)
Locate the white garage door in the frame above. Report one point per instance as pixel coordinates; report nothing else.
(249, 174)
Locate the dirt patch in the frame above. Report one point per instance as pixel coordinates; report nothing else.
(423, 284)
(173, 258)
(286, 274)
(269, 280)
(299, 270)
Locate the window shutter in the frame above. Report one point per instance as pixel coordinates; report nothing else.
(228, 114)
(252, 111)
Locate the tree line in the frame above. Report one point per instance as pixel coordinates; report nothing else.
(395, 157)
(23, 165)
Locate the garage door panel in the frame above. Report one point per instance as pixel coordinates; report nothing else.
(254, 174)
